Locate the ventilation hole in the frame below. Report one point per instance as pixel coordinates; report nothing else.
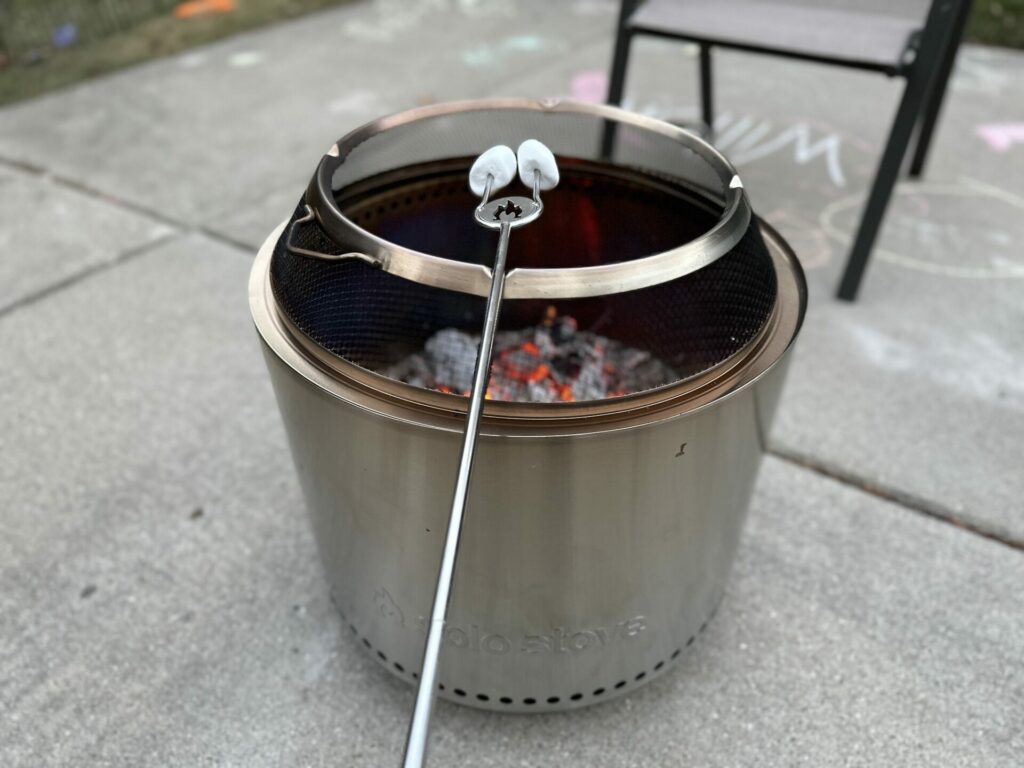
(505, 700)
(620, 684)
(367, 643)
(382, 656)
(676, 652)
(529, 702)
(641, 676)
(483, 697)
(599, 691)
(415, 675)
(659, 665)
(576, 696)
(399, 667)
(458, 692)
(553, 699)
(440, 686)
(690, 641)
(703, 626)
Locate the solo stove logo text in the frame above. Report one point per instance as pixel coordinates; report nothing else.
(557, 640)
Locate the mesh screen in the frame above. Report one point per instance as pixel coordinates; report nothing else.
(596, 215)
(571, 136)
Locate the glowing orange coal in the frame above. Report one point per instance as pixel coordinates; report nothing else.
(550, 362)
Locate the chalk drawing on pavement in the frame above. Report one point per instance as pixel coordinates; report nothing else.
(973, 73)
(595, 7)
(393, 18)
(590, 85)
(746, 139)
(951, 359)
(743, 139)
(242, 59)
(510, 49)
(804, 235)
(933, 242)
(355, 102)
(1000, 137)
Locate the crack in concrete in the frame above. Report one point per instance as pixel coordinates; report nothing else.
(92, 192)
(224, 239)
(71, 280)
(180, 229)
(903, 499)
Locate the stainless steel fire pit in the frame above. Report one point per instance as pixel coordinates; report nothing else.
(599, 533)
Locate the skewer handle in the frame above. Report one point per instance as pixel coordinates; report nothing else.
(491, 171)
(416, 742)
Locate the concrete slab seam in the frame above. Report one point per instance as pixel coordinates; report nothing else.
(95, 269)
(895, 496)
(84, 189)
(224, 239)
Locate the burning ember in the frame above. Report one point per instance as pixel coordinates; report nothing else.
(547, 363)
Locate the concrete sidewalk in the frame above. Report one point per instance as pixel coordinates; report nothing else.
(161, 601)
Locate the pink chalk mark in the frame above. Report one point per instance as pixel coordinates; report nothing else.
(1001, 136)
(590, 85)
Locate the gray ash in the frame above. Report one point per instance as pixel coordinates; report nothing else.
(547, 363)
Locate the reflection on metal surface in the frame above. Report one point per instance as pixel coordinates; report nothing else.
(593, 552)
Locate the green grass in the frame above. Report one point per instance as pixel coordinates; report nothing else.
(118, 33)
(160, 35)
(997, 22)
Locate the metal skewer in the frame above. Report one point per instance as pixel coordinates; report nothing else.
(503, 215)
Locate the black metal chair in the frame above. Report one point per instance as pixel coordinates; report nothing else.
(883, 39)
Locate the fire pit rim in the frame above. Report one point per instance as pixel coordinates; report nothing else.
(530, 283)
(375, 393)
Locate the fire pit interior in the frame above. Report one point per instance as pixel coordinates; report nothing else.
(547, 363)
(549, 351)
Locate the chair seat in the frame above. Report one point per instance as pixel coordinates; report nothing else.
(837, 35)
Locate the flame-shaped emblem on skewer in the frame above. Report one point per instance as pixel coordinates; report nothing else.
(508, 209)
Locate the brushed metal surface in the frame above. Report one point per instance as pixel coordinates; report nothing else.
(593, 552)
(419, 726)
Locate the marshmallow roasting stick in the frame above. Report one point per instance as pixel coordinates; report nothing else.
(493, 170)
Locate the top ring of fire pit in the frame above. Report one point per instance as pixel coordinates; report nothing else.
(448, 130)
(648, 251)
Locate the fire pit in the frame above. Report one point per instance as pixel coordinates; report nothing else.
(640, 353)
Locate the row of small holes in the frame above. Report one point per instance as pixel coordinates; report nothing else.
(380, 654)
(368, 216)
(529, 701)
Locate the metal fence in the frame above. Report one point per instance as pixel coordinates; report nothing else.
(28, 24)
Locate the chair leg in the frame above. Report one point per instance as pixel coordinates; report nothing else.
(885, 180)
(937, 32)
(707, 112)
(616, 85)
(620, 60)
(937, 91)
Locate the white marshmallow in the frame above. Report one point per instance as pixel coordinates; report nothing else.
(534, 156)
(498, 162)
